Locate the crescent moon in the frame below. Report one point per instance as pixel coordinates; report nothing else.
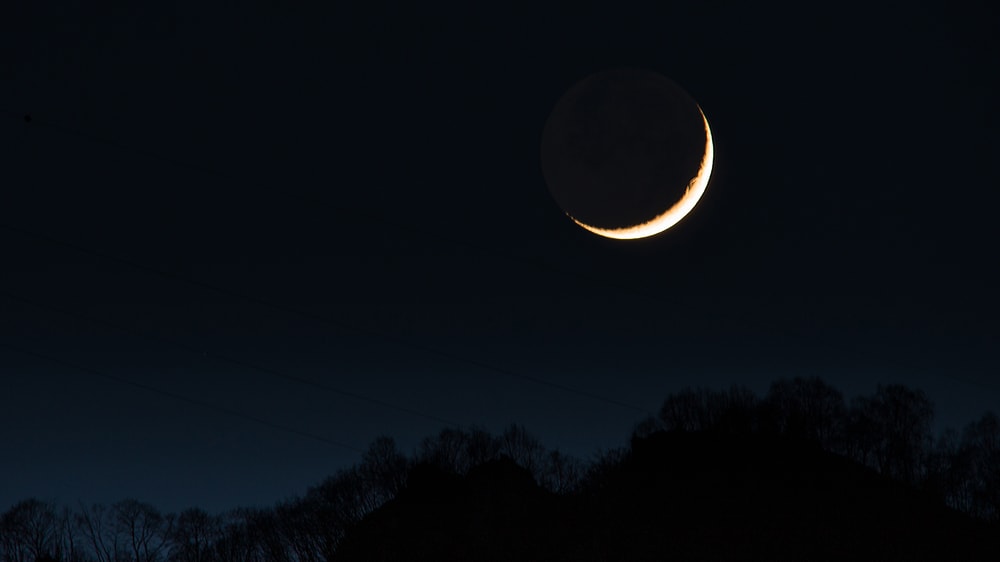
(695, 189)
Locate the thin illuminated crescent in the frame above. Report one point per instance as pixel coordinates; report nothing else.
(673, 215)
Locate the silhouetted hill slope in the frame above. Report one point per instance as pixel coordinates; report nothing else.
(496, 512)
(762, 497)
(678, 496)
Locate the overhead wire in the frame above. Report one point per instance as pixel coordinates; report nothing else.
(402, 342)
(375, 217)
(396, 223)
(180, 397)
(229, 359)
(294, 310)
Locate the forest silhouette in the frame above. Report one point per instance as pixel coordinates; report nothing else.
(798, 474)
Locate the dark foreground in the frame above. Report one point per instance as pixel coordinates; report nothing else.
(677, 496)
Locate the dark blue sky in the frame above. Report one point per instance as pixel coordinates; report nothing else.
(372, 171)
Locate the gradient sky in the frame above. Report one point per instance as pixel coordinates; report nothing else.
(368, 175)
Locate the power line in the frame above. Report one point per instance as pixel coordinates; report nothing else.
(368, 215)
(228, 359)
(967, 381)
(33, 121)
(399, 225)
(299, 312)
(181, 397)
(323, 319)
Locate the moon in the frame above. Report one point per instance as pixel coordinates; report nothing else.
(626, 153)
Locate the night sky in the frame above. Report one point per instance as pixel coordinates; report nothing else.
(238, 243)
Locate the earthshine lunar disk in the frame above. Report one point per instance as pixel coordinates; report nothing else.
(626, 153)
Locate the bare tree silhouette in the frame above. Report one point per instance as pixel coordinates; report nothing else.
(967, 471)
(523, 448)
(193, 535)
(144, 530)
(448, 450)
(732, 410)
(95, 526)
(239, 541)
(712, 465)
(561, 474)
(30, 530)
(807, 409)
(383, 469)
(892, 431)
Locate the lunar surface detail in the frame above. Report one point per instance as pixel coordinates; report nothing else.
(626, 153)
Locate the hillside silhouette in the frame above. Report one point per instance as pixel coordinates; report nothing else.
(797, 474)
(495, 512)
(675, 496)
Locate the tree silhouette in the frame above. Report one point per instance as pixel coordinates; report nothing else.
(717, 475)
(298, 538)
(29, 530)
(647, 426)
(457, 450)
(96, 526)
(480, 447)
(892, 430)
(145, 531)
(448, 450)
(523, 448)
(806, 409)
(127, 531)
(239, 541)
(561, 474)
(686, 410)
(71, 544)
(978, 465)
(193, 535)
(329, 509)
(734, 410)
(602, 467)
(945, 471)
(383, 469)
